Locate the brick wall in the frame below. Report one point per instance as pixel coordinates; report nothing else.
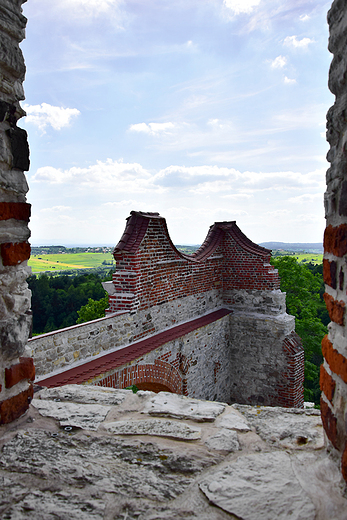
(16, 369)
(333, 376)
(150, 271)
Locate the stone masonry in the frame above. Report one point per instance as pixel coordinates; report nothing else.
(211, 325)
(16, 369)
(333, 377)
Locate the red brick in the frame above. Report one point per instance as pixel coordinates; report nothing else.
(329, 273)
(16, 210)
(335, 308)
(327, 384)
(13, 254)
(335, 240)
(12, 408)
(16, 373)
(336, 361)
(329, 422)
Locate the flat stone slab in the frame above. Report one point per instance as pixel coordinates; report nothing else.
(156, 427)
(291, 428)
(87, 416)
(225, 440)
(85, 394)
(180, 407)
(259, 487)
(233, 421)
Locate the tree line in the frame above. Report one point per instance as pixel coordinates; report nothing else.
(304, 286)
(57, 301)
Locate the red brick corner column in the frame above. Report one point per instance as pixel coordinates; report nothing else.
(291, 390)
(16, 371)
(333, 376)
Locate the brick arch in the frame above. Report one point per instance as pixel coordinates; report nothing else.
(158, 376)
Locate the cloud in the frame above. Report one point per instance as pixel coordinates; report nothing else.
(91, 8)
(152, 128)
(292, 41)
(289, 81)
(56, 209)
(304, 17)
(102, 176)
(279, 62)
(308, 197)
(241, 6)
(47, 115)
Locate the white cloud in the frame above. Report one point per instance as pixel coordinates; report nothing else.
(91, 8)
(56, 209)
(241, 6)
(47, 115)
(279, 62)
(103, 176)
(292, 41)
(152, 128)
(289, 81)
(306, 198)
(304, 17)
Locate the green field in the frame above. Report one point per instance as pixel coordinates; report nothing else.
(66, 262)
(309, 257)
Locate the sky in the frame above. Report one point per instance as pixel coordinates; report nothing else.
(201, 110)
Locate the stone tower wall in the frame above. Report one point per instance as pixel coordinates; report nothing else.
(16, 370)
(334, 370)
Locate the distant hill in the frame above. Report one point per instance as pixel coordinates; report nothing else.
(305, 247)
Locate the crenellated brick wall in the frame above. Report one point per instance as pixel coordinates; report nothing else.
(333, 376)
(151, 271)
(16, 368)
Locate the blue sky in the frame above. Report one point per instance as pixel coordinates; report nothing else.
(202, 110)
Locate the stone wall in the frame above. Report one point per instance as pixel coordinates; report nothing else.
(334, 370)
(59, 349)
(16, 369)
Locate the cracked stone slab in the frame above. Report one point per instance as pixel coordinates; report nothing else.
(259, 487)
(85, 394)
(156, 427)
(291, 428)
(226, 440)
(233, 421)
(180, 407)
(87, 416)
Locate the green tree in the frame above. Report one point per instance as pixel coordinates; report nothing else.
(303, 288)
(93, 310)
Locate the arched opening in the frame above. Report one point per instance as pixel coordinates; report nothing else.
(153, 387)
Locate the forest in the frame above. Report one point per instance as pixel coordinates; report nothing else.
(62, 301)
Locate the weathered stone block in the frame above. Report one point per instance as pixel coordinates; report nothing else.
(19, 148)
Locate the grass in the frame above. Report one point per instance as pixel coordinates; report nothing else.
(65, 262)
(309, 257)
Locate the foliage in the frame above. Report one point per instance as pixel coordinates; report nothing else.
(93, 310)
(304, 286)
(56, 299)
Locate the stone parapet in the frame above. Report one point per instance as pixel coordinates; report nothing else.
(15, 314)
(333, 377)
